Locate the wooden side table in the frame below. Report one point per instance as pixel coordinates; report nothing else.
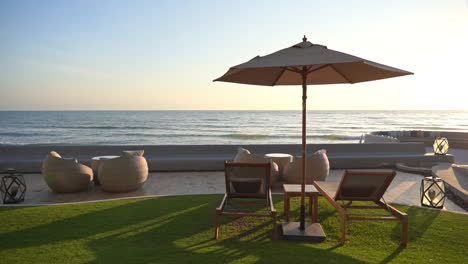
(294, 190)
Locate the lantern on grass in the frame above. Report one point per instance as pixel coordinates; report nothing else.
(12, 187)
(432, 192)
(441, 146)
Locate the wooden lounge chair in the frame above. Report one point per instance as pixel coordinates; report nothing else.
(248, 192)
(362, 186)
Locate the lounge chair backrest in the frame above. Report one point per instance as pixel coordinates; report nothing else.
(247, 179)
(364, 185)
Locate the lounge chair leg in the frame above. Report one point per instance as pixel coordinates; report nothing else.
(343, 229)
(404, 230)
(274, 226)
(216, 236)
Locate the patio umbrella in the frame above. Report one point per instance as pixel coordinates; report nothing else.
(304, 64)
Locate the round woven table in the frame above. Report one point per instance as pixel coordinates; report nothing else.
(96, 162)
(282, 159)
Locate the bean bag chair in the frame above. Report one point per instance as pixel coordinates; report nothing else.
(244, 155)
(318, 168)
(65, 175)
(123, 174)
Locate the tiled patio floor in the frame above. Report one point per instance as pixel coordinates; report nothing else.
(403, 190)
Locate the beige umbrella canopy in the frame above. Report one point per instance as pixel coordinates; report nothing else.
(323, 65)
(302, 64)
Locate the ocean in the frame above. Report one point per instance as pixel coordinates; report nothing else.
(212, 127)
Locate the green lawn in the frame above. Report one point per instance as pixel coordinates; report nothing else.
(180, 230)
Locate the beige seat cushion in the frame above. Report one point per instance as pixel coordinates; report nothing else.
(244, 155)
(246, 185)
(138, 153)
(318, 169)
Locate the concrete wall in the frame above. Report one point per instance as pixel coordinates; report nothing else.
(455, 139)
(212, 157)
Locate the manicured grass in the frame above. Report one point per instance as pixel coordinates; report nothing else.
(180, 230)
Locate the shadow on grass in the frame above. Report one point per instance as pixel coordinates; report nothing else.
(95, 222)
(180, 240)
(11, 208)
(322, 204)
(395, 253)
(419, 219)
(177, 229)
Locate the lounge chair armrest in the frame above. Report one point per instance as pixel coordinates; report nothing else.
(272, 206)
(222, 204)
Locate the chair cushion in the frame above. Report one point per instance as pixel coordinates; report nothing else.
(54, 154)
(318, 168)
(244, 155)
(130, 153)
(330, 188)
(246, 185)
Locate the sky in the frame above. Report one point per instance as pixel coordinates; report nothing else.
(164, 55)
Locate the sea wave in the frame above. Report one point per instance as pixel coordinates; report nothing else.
(39, 144)
(246, 136)
(212, 127)
(53, 144)
(145, 134)
(104, 127)
(335, 137)
(438, 128)
(21, 134)
(259, 136)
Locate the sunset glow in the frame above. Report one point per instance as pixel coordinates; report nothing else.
(163, 55)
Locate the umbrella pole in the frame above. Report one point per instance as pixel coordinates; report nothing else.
(304, 145)
(303, 231)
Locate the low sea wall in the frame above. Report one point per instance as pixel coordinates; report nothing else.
(455, 139)
(211, 157)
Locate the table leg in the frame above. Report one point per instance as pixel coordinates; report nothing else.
(311, 200)
(286, 206)
(315, 216)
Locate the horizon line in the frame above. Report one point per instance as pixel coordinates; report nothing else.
(206, 110)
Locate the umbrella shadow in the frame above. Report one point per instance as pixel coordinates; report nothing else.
(193, 246)
(179, 229)
(171, 240)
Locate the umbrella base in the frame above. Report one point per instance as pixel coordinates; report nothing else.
(312, 232)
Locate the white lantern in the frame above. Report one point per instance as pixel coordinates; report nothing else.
(441, 146)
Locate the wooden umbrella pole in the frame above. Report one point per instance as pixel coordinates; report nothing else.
(304, 145)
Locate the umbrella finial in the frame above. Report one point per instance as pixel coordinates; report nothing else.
(304, 39)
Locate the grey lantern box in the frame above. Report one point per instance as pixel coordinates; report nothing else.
(12, 187)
